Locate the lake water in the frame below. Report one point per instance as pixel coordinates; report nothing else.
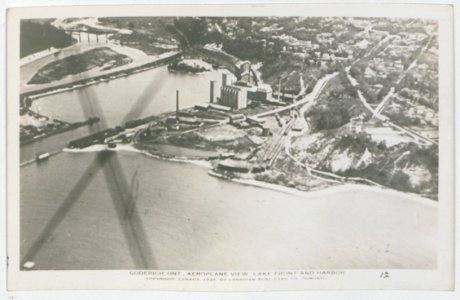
(150, 92)
(194, 221)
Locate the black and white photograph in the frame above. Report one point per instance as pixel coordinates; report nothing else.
(211, 144)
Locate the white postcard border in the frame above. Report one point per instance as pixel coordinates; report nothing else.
(441, 279)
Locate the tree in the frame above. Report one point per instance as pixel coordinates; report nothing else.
(194, 30)
(355, 72)
(245, 23)
(400, 181)
(36, 37)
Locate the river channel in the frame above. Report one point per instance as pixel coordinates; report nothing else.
(195, 221)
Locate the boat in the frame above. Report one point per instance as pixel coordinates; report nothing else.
(42, 156)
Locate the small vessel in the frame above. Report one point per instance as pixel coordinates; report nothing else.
(42, 156)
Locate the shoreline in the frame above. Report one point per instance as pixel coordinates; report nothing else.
(319, 85)
(130, 148)
(326, 191)
(84, 82)
(163, 59)
(71, 126)
(265, 185)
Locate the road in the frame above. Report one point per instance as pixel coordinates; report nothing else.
(310, 97)
(282, 138)
(307, 102)
(382, 105)
(325, 176)
(418, 138)
(390, 94)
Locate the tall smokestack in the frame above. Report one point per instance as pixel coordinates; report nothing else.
(224, 79)
(177, 104)
(211, 92)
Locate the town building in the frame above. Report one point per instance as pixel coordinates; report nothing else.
(263, 92)
(248, 77)
(246, 73)
(244, 66)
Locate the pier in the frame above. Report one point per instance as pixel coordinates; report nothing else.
(58, 87)
(35, 160)
(66, 127)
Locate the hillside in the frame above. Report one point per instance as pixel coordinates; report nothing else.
(36, 36)
(335, 106)
(405, 166)
(149, 34)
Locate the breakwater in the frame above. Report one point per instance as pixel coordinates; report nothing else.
(36, 160)
(100, 78)
(29, 140)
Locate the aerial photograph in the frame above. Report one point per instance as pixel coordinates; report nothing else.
(228, 143)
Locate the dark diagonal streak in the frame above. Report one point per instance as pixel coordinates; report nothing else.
(144, 99)
(131, 224)
(119, 190)
(69, 201)
(116, 181)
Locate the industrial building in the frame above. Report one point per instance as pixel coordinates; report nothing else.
(240, 94)
(246, 72)
(244, 66)
(263, 92)
(233, 96)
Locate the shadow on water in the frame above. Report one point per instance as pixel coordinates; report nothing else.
(120, 191)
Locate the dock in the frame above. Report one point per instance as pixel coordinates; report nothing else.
(46, 155)
(71, 126)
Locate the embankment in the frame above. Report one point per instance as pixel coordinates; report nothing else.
(100, 78)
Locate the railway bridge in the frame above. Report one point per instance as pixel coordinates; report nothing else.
(88, 33)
